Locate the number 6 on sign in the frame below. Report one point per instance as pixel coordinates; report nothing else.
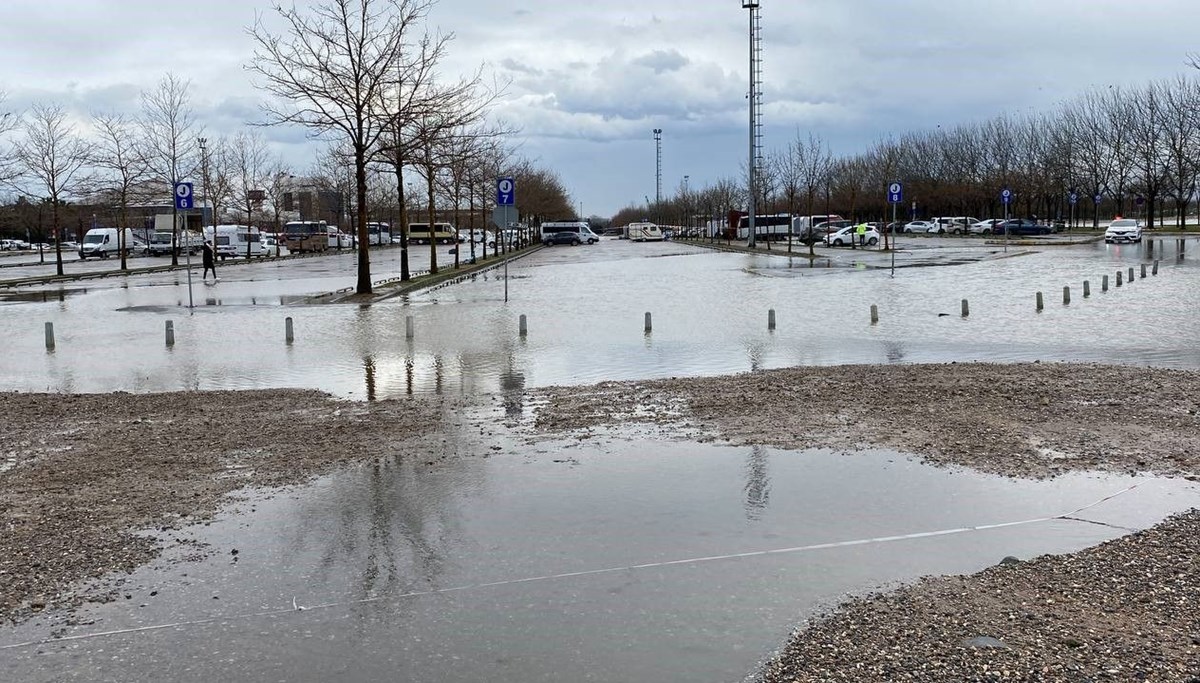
(506, 192)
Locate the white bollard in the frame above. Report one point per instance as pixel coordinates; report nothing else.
(649, 327)
(408, 327)
(523, 324)
(288, 331)
(170, 333)
(49, 336)
(771, 319)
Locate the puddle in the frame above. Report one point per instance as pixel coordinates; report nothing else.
(488, 568)
(40, 296)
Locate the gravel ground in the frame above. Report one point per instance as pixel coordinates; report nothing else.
(1026, 420)
(1127, 610)
(73, 495)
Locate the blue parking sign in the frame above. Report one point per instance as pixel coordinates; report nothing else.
(895, 193)
(184, 199)
(506, 192)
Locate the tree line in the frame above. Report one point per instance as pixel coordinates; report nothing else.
(361, 75)
(1114, 150)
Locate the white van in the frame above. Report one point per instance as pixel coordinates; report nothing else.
(955, 225)
(643, 232)
(235, 241)
(443, 233)
(102, 242)
(379, 234)
(579, 228)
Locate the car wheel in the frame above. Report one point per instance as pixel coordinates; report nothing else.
(908, 231)
(837, 243)
(576, 243)
(873, 241)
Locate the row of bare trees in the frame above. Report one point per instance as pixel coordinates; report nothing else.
(1135, 149)
(361, 75)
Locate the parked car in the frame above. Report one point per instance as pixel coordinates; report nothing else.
(1123, 230)
(956, 226)
(984, 227)
(8, 245)
(159, 244)
(849, 234)
(1021, 226)
(553, 238)
(917, 227)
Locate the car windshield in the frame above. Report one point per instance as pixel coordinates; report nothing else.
(1123, 223)
(93, 239)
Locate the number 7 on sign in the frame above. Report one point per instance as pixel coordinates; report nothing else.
(506, 192)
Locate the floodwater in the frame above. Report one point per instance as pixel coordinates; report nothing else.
(546, 563)
(585, 308)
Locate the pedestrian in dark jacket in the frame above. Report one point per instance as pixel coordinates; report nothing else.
(210, 261)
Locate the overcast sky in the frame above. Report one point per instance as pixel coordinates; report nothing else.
(590, 80)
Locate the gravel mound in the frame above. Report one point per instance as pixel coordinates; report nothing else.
(1126, 610)
(79, 474)
(1027, 420)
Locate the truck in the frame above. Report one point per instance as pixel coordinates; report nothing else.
(305, 236)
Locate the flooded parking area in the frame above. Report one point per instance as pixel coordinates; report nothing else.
(585, 309)
(603, 560)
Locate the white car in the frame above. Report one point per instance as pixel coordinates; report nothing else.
(920, 226)
(1123, 230)
(849, 235)
(984, 227)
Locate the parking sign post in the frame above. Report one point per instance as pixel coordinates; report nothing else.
(185, 199)
(895, 196)
(1006, 197)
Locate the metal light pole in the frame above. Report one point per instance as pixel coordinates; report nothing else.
(752, 167)
(658, 165)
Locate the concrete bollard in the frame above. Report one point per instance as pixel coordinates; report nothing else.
(1066, 296)
(1087, 289)
(649, 327)
(170, 333)
(1118, 278)
(49, 336)
(523, 325)
(874, 314)
(771, 319)
(1131, 274)
(1040, 303)
(288, 332)
(1104, 284)
(1155, 269)
(408, 327)
(966, 308)
(1143, 271)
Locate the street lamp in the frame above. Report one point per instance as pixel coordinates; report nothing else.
(752, 167)
(658, 165)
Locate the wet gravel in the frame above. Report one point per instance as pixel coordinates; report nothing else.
(1126, 610)
(81, 475)
(1026, 419)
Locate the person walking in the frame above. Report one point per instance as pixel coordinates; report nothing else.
(861, 229)
(210, 261)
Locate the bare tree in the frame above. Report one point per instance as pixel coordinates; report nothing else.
(248, 160)
(52, 156)
(330, 70)
(120, 156)
(276, 179)
(8, 123)
(169, 129)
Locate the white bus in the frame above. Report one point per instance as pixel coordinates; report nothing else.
(379, 234)
(235, 241)
(643, 232)
(580, 228)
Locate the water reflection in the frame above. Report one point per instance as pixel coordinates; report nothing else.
(758, 482)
